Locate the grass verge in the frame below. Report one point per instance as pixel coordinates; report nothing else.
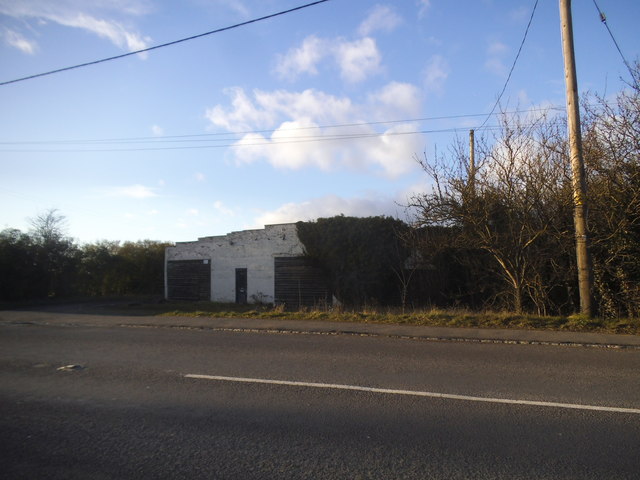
(426, 317)
(143, 306)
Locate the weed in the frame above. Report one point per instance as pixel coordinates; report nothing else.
(428, 317)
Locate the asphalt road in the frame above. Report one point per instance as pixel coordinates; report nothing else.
(130, 411)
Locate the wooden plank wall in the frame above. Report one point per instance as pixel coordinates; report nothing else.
(189, 280)
(298, 284)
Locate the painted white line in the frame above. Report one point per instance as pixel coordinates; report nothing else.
(416, 393)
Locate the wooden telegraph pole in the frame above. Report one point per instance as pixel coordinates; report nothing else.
(472, 163)
(577, 163)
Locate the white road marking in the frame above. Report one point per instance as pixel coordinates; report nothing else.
(416, 393)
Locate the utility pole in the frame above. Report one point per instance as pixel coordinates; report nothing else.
(577, 164)
(472, 163)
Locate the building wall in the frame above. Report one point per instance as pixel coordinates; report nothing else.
(254, 250)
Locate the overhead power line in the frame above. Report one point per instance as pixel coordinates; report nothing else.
(155, 47)
(230, 136)
(526, 32)
(256, 142)
(235, 143)
(603, 19)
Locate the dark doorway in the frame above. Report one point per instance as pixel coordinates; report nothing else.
(241, 285)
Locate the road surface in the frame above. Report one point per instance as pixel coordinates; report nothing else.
(191, 403)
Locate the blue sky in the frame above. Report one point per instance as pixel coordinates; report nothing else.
(222, 133)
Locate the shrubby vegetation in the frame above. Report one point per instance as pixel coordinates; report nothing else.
(512, 220)
(363, 258)
(612, 155)
(383, 261)
(502, 237)
(45, 263)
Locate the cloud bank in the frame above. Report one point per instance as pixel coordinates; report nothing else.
(381, 18)
(108, 20)
(131, 191)
(312, 128)
(356, 60)
(330, 206)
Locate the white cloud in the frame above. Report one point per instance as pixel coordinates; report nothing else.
(417, 189)
(157, 131)
(17, 40)
(113, 31)
(435, 41)
(394, 150)
(243, 116)
(99, 17)
(309, 103)
(395, 100)
(329, 206)
(46, 8)
(497, 48)
(494, 63)
(193, 212)
(303, 59)
(496, 66)
(356, 59)
(132, 191)
(381, 18)
(221, 208)
(523, 98)
(265, 108)
(423, 6)
(235, 5)
(520, 13)
(200, 177)
(436, 73)
(301, 137)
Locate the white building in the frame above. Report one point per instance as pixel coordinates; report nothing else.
(251, 266)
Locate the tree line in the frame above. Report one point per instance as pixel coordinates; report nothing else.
(45, 263)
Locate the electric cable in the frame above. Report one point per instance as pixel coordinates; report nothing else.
(526, 32)
(229, 136)
(155, 47)
(603, 19)
(256, 142)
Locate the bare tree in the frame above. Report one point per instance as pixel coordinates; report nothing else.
(49, 226)
(508, 213)
(55, 254)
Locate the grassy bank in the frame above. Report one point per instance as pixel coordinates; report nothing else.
(428, 317)
(138, 306)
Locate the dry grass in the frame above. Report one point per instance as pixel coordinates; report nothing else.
(428, 317)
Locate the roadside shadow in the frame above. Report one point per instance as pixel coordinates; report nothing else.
(130, 307)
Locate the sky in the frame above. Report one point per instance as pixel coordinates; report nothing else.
(304, 115)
